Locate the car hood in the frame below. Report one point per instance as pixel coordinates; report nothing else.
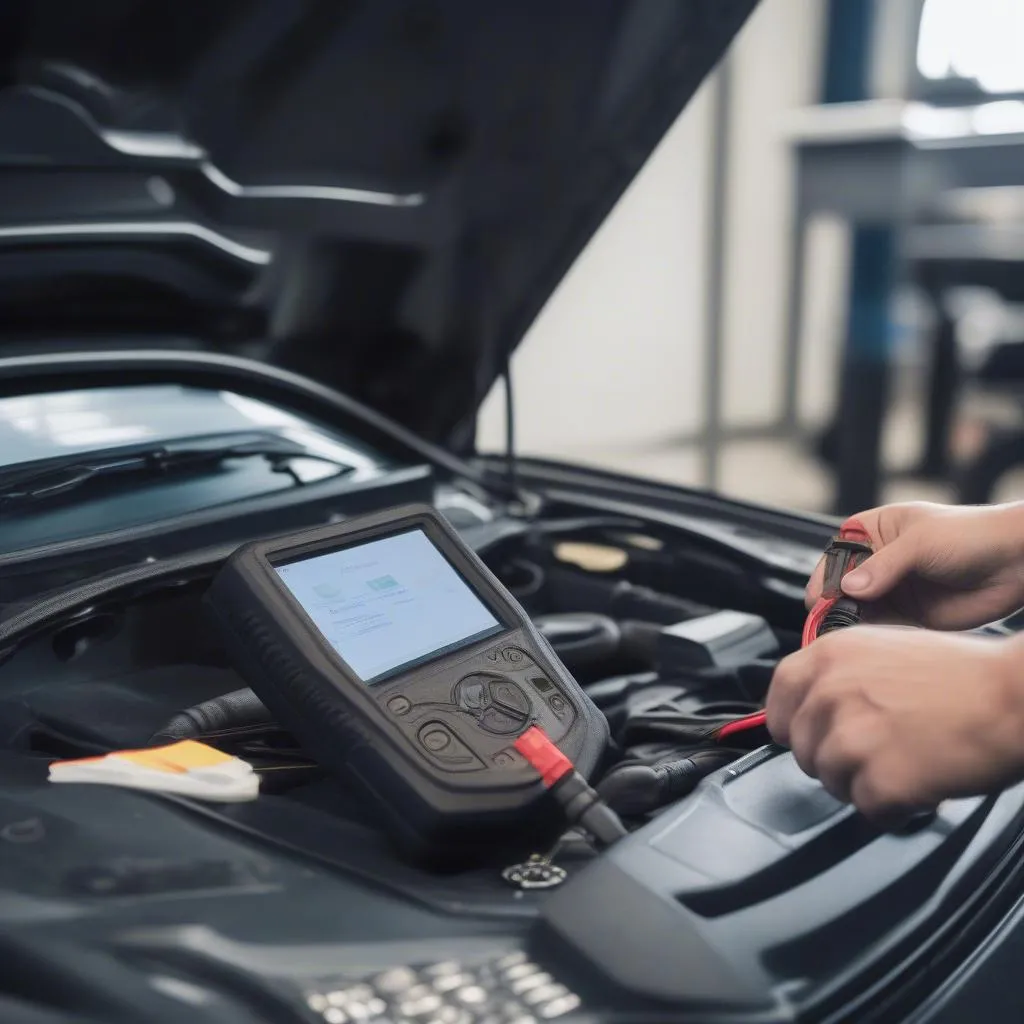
(381, 194)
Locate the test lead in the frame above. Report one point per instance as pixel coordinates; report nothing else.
(833, 610)
(581, 803)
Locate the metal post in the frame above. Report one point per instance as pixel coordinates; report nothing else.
(714, 335)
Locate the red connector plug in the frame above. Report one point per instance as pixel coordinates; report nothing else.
(581, 804)
(843, 555)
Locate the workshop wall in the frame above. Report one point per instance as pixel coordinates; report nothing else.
(625, 330)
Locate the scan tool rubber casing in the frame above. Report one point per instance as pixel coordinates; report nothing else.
(431, 748)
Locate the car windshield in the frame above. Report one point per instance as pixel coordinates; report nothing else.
(39, 430)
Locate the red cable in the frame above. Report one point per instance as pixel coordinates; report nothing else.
(851, 530)
(753, 721)
(813, 622)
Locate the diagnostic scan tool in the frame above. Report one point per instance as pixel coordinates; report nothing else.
(387, 648)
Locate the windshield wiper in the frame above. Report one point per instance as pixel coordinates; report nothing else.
(57, 477)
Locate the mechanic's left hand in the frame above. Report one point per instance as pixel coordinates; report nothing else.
(897, 720)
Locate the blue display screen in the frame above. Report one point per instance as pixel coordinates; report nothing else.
(389, 603)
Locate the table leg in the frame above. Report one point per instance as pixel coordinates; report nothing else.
(943, 385)
(866, 371)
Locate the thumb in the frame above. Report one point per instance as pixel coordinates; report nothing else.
(882, 571)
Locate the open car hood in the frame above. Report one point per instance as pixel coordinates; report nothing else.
(380, 194)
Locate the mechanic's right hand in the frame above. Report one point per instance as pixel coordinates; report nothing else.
(938, 566)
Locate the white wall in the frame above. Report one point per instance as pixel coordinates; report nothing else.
(625, 319)
(775, 67)
(615, 359)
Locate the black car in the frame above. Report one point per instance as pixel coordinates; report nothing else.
(260, 262)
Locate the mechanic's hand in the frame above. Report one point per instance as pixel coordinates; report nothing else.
(938, 566)
(896, 720)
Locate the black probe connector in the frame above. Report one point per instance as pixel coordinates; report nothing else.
(636, 789)
(584, 807)
(582, 804)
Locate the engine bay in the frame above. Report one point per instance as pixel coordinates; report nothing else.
(665, 656)
(736, 889)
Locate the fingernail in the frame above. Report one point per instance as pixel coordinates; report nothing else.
(859, 579)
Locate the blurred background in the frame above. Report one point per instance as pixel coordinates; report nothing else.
(813, 295)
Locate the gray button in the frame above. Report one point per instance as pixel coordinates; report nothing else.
(521, 970)
(399, 705)
(441, 744)
(398, 979)
(521, 985)
(420, 1007)
(450, 982)
(559, 1007)
(545, 994)
(502, 722)
(437, 739)
(511, 696)
(512, 960)
(471, 995)
(445, 967)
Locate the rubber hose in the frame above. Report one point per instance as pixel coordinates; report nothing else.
(236, 710)
(580, 640)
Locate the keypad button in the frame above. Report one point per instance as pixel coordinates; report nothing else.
(560, 1007)
(471, 995)
(454, 1015)
(441, 969)
(510, 696)
(521, 970)
(502, 722)
(436, 739)
(521, 985)
(420, 1007)
(544, 994)
(510, 989)
(444, 747)
(398, 979)
(399, 705)
(511, 960)
(473, 694)
(450, 982)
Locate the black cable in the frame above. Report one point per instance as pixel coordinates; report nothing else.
(236, 710)
(511, 463)
(635, 789)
